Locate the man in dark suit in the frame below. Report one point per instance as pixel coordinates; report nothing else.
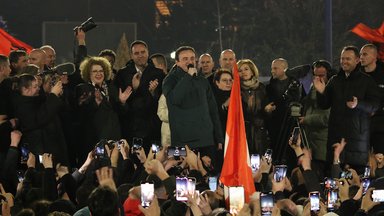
(138, 116)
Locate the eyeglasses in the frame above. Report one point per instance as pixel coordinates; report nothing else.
(97, 71)
(226, 80)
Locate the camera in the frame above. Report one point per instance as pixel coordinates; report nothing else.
(87, 25)
(54, 73)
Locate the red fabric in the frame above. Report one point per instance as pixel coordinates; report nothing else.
(236, 169)
(131, 207)
(372, 35)
(9, 43)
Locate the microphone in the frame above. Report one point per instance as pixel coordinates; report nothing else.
(192, 70)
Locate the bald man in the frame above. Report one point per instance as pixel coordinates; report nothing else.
(205, 66)
(227, 59)
(375, 68)
(280, 98)
(38, 57)
(51, 55)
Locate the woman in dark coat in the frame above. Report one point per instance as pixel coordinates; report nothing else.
(97, 103)
(223, 81)
(254, 96)
(39, 118)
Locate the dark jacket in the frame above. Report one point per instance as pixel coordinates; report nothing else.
(316, 125)
(97, 121)
(351, 124)
(254, 100)
(41, 126)
(193, 114)
(139, 114)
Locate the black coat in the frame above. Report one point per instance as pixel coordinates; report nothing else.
(351, 124)
(139, 114)
(97, 121)
(40, 124)
(193, 114)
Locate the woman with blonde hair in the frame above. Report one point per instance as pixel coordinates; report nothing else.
(254, 95)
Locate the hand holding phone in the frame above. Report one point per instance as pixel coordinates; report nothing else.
(314, 198)
(147, 193)
(266, 203)
(185, 186)
(295, 135)
(212, 181)
(255, 162)
(332, 197)
(268, 155)
(236, 199)
(378, 195)
(280, 172)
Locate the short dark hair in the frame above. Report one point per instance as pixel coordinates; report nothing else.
(160, 58)
(138, 42)
(107, 52)
(103, 201)
(25, 80)
(220, 72)
(181, 49)
(3, 60)
(352, 48)
(14, 55)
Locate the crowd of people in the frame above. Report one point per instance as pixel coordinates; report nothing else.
(100, 141)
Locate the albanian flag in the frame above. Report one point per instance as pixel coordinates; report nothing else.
(9, 43)
(375, 36)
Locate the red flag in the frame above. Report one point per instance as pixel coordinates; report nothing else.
(9, 43)
(236, 169)
(372, 35)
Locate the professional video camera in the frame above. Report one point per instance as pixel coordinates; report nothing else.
(61, 69)
(89, 24)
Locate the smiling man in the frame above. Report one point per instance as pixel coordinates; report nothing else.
(353, 97)
(139, 114)
(193, 114)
